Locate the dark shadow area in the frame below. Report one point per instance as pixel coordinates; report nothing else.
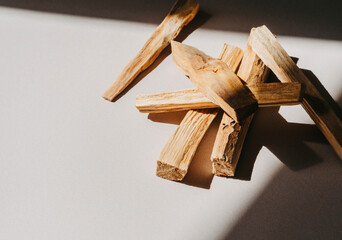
(198, 21)
(312, 19)
(297, 205)
(167, 117)
(287, 141)
(303, 204)
(332, 103)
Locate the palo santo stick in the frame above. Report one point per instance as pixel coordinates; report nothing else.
(178, 152)
(179, 16)
(276, 94)
(317, 106)
(215, 80)
(267, 94)
(231, 135)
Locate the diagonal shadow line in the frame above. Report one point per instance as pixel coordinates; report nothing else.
(287, 141)
(292, 147)
(296, 205)
(295, 18)
(197, 22)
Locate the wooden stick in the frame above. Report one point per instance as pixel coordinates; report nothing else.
(178, 152)
(231, 135)
(179, 16)
(267, 94)
(215, 80)
(319, 107)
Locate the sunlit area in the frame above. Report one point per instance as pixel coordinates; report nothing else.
(75, 166)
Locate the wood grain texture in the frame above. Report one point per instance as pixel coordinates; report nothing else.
(231, 135)
(180, 15)
(317, 105)
(215, 80)
(178, 152)
(266, 94)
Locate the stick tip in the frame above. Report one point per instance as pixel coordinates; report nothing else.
(223, 168)
(108, 97)
(169, 172)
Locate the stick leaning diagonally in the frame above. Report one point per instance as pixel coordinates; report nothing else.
(231, 135)
(179, 16)
(316, 104)
(215, 80)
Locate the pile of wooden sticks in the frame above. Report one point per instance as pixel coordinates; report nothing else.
(235, 83)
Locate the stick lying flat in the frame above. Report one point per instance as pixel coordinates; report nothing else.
(318, 107)
(267, 94)
(179, 16)
(178, 152)
(215, 80)
(231, 135)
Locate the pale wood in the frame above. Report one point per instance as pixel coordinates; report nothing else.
(178, 152)
(318, 106)
(215, 80)
(267, 94)
(231, 135)
(179, 16)
(276, 94)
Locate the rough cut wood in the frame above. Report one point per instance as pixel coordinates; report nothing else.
(231, 135)
(215, 80)
(267, 94)
(179, 16)
(315, 103)
(178, 152)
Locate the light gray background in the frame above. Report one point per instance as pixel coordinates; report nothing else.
(74, 166)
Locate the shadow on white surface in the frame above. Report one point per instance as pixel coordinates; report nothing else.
(296, 205)
(302, 201)
(294, 18)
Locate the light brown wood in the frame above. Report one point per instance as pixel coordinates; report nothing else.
(215, 80)
(317, 105)
(179, 16)
(276, 94)
(267, 94)
(231, 135)
(178, 152)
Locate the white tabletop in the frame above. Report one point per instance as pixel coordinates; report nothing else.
(74, 166)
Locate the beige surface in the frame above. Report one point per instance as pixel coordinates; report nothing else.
(74, 166)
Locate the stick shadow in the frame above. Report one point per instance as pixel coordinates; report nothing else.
(287, 141)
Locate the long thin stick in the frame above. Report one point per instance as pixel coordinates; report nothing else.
(267, 94)
(179, 16)
(320, 109)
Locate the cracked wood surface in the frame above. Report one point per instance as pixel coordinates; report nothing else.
(231, 135)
